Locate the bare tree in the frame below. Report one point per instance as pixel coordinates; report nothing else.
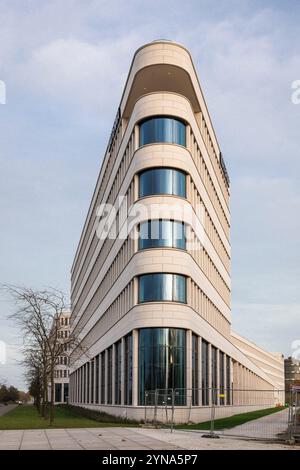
(36, 375)
(38, 313)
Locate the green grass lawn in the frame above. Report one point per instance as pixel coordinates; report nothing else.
(27, 417)
(232, 421)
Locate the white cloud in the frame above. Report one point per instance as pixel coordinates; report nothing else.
(247, 81)
(72, 71)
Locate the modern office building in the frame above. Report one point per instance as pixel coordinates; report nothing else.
(291, 376)
(61, 372)
(151, 301)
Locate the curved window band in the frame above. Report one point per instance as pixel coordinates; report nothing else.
(159, 181)
(162, 233)
(162, 287)
(162, 129)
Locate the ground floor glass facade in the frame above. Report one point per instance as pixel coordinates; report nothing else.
(161, 362)
(154, 359)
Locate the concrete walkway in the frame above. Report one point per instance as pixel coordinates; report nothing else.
(123, 439)
(267, 427)
(77, 439)
(5, 409)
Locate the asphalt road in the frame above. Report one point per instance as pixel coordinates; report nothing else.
(5, 409)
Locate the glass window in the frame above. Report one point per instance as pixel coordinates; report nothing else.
(92, 367)
(162, 129)
(128, 370)
(205, 383)
(66, 393)
(221, 376)
(109, 375)
(161, 364)
(162, 233)
(84, 383)
(162, 181)
(118, 355)
(214, 375)
(81, 384)
(97, 380)
(195, 370)
(58, 389)
(88, 382)
(162, 287)
(228, 381)
(103, 377)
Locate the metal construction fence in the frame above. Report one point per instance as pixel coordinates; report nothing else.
(269, 417)
(294, 416)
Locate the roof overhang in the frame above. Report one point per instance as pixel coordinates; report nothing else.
(161, 77)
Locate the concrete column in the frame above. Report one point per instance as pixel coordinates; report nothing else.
(135, 249)
(136, 137)
(189, 292)
(135, 352)
(188, 187)
(188, 137)
(136, 187)
(135, 291)
(122, 371)
(189, 366)
(113, 372)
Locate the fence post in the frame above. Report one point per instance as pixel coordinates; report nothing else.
(292, 412)
(212, 433)
(173, 400)
(213, 412)
(155, 405)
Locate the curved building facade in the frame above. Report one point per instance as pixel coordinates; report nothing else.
(151, 285)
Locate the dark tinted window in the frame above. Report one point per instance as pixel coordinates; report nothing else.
(162, 129)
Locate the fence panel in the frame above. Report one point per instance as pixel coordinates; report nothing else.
(294, 415)
(244, 413)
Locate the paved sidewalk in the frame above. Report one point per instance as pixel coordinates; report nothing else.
(123, 439)
(5, 409)
(77, 439)
(190, 440)
(267, 427)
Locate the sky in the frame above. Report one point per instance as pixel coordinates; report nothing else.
(64, 65)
